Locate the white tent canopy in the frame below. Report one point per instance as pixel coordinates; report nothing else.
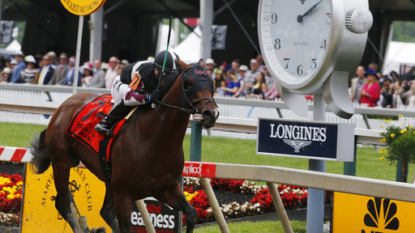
(14, 46)
(398, 53)
(189, 49)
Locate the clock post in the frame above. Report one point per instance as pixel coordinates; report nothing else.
(312, 47)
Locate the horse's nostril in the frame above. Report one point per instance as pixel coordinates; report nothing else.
(206, 114)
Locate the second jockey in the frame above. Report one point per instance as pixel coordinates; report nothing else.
(137, 85)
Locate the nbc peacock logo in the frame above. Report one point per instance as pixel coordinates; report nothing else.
(382, 214)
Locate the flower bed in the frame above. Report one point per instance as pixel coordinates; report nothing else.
(10, 199)
(292, 197)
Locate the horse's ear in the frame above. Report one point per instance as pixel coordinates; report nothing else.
(202, 62)
(182, 64)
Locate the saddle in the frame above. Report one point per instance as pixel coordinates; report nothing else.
(82, 126)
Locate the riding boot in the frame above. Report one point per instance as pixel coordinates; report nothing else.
(118, 111)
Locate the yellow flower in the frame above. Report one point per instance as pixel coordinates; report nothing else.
(20, 183)
(386, 121)
(392, 135)
(385, 151)
(382, 158)
(400, 115)
(381, 126)
(10, 196)
(403, 131)
(4, 181)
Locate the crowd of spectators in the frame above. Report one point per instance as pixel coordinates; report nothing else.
(370, 88)
(239, 81)
(48, 69)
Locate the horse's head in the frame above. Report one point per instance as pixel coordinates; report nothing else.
(197, 94)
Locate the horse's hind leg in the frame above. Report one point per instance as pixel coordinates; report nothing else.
(62, 202)
(175, 198)
(107, 210)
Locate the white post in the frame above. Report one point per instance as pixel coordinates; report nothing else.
(206, 18)
(279, 207)
(316, 198)
(146, 217)
(95, 46)
(215, 205)
(78, 54)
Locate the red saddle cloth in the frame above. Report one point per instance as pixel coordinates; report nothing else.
(82, 124)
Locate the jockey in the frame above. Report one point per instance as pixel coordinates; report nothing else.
(137, 85)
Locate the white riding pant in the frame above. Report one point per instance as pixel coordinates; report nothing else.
(119, 92)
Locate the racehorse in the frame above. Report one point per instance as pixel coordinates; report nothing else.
(146, 155)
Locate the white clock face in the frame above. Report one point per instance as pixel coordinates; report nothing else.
(295, 37)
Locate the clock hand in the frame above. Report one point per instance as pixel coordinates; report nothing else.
(300, 17)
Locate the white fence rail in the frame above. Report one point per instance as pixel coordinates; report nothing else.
(227, 124)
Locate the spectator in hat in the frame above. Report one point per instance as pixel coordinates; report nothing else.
(219, 83)
(60, 71)
(87, 74)
(98, 79)
(53, 61)
(30, 74)
(124, 63)
(5, 76)
(370, 93)
(248, 82)
(13, 64)
(233, 84)
(105, 67)
(210, 65)
(17, 70)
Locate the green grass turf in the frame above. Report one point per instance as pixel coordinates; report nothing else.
(257, 227)
(238, 151)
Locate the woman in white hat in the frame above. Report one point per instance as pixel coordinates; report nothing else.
(5, 76)
(30, 74)
(87, 74)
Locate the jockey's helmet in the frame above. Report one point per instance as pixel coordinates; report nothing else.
(171, 61)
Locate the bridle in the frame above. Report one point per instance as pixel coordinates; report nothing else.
(192, 109)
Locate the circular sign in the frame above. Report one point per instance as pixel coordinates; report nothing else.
(82, 7)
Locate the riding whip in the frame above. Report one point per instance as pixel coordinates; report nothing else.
(153, 105)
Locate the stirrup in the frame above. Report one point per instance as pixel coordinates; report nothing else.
(105, 131)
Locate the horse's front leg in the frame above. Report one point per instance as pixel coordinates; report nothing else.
(175, 198)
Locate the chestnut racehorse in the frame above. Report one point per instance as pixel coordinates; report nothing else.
(146, 155)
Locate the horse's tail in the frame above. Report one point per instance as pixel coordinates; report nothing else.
(41, 159)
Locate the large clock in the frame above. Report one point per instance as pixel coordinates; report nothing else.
(300, 39)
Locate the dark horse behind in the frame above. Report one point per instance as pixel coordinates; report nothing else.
(146, 156)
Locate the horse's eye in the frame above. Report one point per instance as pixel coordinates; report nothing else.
(188, 85)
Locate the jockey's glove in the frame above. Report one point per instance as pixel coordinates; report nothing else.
(154, 96)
